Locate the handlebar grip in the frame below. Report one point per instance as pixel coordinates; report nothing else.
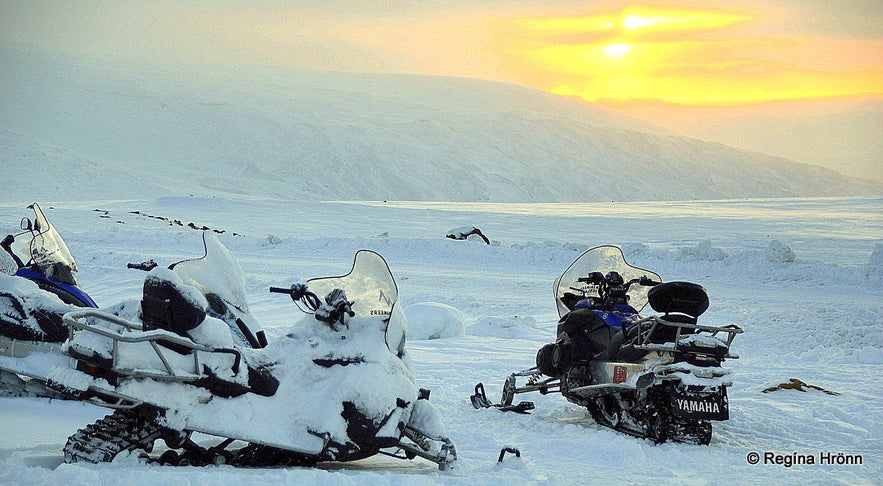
(279, 290)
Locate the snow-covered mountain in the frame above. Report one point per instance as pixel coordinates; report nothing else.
(72, 127)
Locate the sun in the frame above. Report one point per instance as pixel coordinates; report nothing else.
(617, 51)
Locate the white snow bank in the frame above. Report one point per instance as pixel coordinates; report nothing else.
(504, 327)
(433, 320)
(778, 252)
(704, 251)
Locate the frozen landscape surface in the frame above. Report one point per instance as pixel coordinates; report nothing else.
(814, 315)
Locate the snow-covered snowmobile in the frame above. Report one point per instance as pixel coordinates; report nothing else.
(31, 308)
(339, 386)
(35, 292)
(656, 377)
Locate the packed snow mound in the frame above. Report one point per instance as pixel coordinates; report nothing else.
(704, 251)
(778, 252)
(433, 320)
(300, 135)
(514, 327)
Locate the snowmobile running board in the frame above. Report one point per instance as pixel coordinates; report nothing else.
(16, 348)
(590, 391)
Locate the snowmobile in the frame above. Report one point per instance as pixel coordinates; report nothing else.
(657, 377)
(35, 292)
(31, 326)
(338, 386)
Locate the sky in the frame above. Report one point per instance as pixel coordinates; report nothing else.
(683, 64)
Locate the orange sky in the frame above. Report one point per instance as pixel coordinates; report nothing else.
(688, 52)
(690, 57)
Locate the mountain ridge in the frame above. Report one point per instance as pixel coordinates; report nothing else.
(285, 133)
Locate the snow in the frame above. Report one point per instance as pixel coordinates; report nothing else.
(433, 320)
(816, 318)
(298, 170)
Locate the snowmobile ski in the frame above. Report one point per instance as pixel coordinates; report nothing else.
(480, 400)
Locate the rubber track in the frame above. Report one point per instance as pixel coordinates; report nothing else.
(103, 440)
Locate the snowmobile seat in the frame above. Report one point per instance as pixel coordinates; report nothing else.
(164, 306)
(681, 302)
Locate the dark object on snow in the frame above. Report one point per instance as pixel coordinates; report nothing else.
(464, 232)
(795, 384)
(146, 266)
(510, 450)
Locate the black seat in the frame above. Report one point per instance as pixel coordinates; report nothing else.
(681, 302)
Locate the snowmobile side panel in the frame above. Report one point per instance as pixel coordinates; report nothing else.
(69, 294)
(607, 372)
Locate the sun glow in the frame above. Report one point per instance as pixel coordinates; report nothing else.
(616, 51)
(691, 57)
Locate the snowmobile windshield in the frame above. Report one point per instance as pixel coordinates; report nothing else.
(372, 289)
(48, 250)
(602, 259)
(215, 273)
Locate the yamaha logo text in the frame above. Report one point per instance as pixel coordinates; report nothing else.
(698, 406)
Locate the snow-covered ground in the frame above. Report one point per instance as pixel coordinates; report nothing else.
(817, 318)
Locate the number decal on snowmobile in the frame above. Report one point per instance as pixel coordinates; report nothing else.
(619, 374)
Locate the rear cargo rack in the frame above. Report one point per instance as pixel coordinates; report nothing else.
(77, 321)
(650, 325)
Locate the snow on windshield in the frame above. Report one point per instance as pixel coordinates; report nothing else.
(372, 288)
(217, 272)
(47, 247)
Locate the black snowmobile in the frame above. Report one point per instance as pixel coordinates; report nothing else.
(339, 386)
(656, 377)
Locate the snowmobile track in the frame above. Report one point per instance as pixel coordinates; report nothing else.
(123, 430)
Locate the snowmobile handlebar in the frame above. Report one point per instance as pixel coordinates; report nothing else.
(334, 309)
(299, 293)
(145, 266)
(614, 279)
